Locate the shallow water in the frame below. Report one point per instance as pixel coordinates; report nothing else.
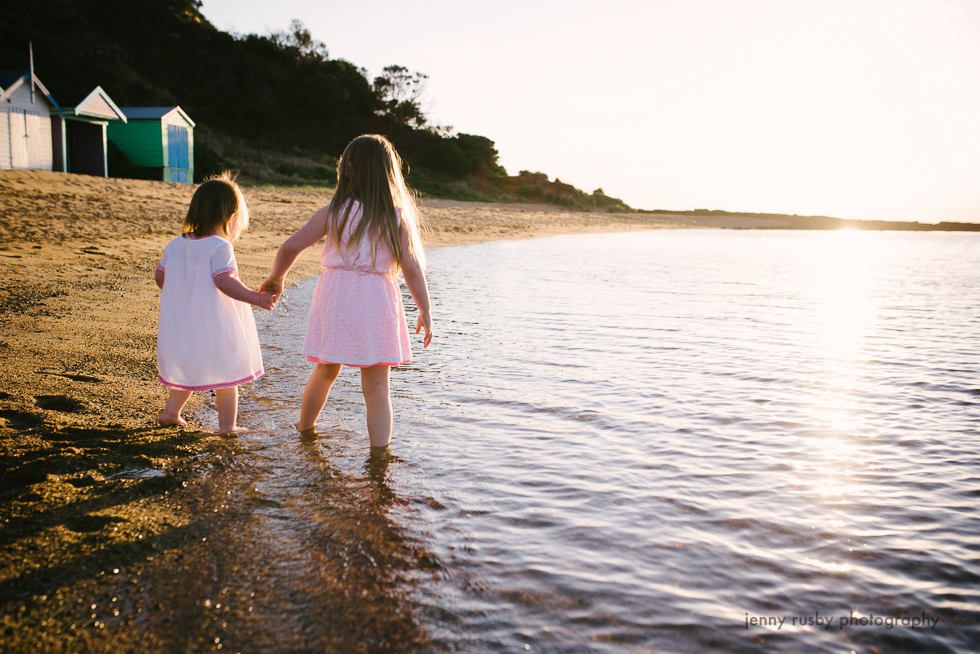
(659, 441)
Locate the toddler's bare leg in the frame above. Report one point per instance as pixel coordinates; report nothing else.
(316, 392)
(377, 399)
(226, 399)
(171, 412)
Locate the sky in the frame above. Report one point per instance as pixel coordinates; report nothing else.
(860, 109)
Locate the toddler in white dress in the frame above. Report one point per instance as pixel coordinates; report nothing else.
(206, 338)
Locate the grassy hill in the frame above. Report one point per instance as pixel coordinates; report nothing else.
(276, 107)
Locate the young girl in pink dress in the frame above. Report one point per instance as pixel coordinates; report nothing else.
(357, 319)
(206, 338)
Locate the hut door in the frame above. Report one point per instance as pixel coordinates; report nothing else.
(38, 143)
(178, 153)
(18, 139)
(29, 143)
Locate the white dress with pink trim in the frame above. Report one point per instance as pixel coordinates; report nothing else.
(205, 339)
(357, 317)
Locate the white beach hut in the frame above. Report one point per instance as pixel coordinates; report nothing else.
(25, 122)
(80, 144)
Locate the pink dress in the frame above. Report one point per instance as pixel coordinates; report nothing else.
(357, 317)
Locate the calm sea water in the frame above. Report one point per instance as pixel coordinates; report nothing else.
(691, 440)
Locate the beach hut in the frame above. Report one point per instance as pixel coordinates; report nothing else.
(160, 138)
(25, 122)
(79, 134)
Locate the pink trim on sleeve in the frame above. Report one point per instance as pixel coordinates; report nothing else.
(223, 271)
(161, 268)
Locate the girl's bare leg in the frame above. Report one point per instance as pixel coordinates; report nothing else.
(171, 412)
(226, 399)
(377, 399)
(316, 392)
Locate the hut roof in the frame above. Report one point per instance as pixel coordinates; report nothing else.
(96, 104)
(8, 77)
(11, 80)
(154, 113)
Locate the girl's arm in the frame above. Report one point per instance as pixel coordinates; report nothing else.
(158, 278)
(415, 280)
(294, 246)
(231, 286)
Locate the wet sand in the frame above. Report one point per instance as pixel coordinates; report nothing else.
(117, 534)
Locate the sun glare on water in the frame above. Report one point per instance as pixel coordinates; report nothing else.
(843, 265)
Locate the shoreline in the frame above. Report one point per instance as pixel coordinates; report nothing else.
(79, 303)
(89, 483)
(109, 520)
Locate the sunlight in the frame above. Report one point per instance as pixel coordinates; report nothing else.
(831, 567)
(843, 284)
(842, 264)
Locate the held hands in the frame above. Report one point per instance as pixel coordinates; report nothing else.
(424, 322)
(267, 301)
(273, 286)
(273, 289)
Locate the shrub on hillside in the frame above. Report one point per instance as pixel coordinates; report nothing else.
(207, 163)
(446, 156)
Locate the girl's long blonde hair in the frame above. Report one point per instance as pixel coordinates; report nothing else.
(370, 172)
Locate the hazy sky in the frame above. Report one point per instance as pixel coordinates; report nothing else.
(864, 109)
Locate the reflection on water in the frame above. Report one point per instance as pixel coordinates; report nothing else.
(843, 265)
(642, 442)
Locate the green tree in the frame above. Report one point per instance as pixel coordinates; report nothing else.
(400, 91)
(482, 154)
(299, 39)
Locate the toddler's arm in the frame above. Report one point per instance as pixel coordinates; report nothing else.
(231, 286)
(158, 278)
(308, 234)
(417, 286)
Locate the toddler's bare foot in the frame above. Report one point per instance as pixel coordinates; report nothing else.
(233, 430)
(165, 420)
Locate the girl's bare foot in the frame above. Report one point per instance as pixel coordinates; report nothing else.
(307, 435)
(165, 420)
(233, 430)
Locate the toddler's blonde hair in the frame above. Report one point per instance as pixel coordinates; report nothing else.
(217, 203)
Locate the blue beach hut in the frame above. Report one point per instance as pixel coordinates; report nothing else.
(161, 138)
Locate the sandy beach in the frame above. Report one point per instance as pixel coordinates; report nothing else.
(79, 398)
(80, 305)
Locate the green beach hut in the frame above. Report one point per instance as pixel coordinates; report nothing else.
(158, 137)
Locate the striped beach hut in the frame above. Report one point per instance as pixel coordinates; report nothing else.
(25, 122)
(158, 137)
(79, 134)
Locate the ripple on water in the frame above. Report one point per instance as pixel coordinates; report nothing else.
(639, 442)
